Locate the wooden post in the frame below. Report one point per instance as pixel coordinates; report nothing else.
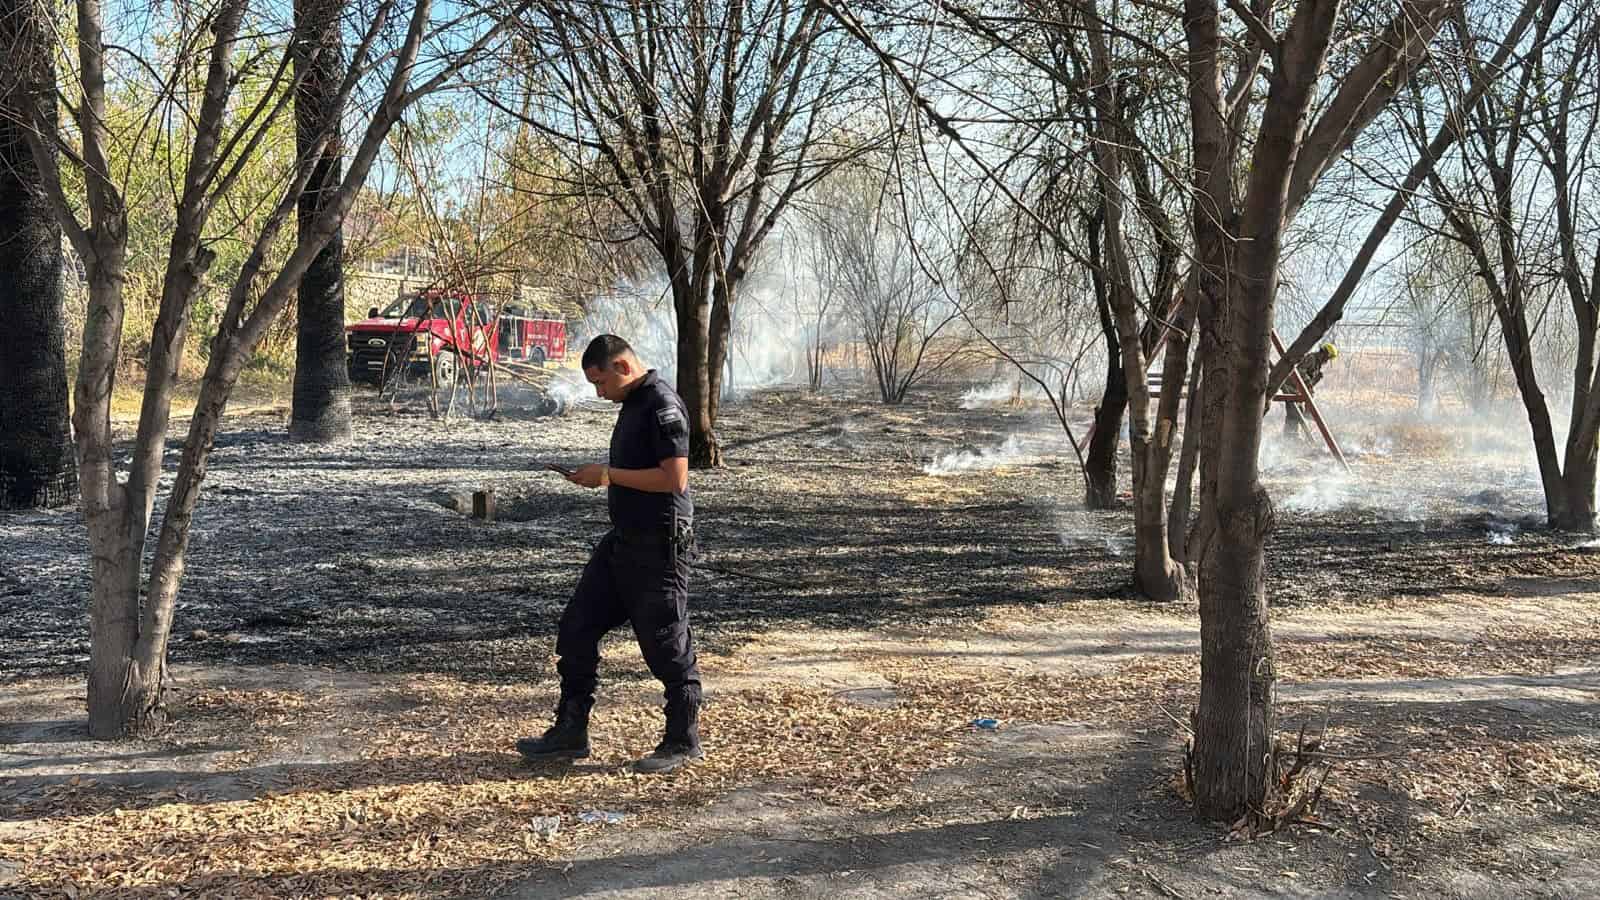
(483, 505)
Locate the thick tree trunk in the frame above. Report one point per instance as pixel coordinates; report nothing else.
(1232, 758)
(1575, 510)
(1233, 761)
(694, 375)
(321, 405)
(38, 468)
(124, 695)
(1100, 464)
(1237, 246)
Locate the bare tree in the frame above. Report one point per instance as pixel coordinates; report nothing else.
(1239, 226)
(1036, 310)
(1447, 320)
(875, 263)
(1448, 132)
(37, 467)
(811, 300)
(1427, 313)
(130, 622)
(700, 122)
(1517, 208)
(1156, 574)
(1251, 166)
(1091, 86)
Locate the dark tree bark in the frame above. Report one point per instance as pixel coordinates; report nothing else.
(321, 405)
(1238, 243)
(1100, 464)
(131, 613)
(1178, 514)
(37, 465)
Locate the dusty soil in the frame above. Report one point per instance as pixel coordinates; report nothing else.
(353, 658)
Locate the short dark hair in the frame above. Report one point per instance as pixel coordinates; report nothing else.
(603, 349)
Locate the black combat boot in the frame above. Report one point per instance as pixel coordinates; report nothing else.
(681, 744)
(568, 738)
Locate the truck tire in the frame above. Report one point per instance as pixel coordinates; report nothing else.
(536, 356)
(445, 369)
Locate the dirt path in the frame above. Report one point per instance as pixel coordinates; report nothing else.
(1075, 809)
(1062, 799)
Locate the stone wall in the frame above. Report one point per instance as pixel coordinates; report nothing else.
(364, 290)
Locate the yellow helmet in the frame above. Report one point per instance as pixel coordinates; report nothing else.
(1332, 351)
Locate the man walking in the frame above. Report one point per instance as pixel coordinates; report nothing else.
(639, 572)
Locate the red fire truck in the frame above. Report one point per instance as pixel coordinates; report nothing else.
(442, 330)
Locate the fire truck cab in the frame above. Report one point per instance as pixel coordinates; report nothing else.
(443, 330)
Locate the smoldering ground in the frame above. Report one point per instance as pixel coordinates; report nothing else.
(852, 514)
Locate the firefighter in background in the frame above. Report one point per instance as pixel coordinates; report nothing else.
(1294, 420)
(639, 572)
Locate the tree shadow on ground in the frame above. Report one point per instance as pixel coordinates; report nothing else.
(40, 798)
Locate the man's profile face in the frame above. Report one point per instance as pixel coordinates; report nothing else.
(609, 381)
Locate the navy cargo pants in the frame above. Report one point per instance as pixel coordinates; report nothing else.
(640, 578)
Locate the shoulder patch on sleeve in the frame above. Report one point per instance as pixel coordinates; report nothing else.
(670, 421)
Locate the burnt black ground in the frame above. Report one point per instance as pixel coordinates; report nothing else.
(354, 557)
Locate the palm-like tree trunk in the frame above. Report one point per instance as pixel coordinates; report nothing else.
(321, 406)
(37, 464)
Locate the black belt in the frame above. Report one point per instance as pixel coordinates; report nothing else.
(683, 534)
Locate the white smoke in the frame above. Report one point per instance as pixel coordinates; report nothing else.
(996, 394)
(1376, 445)
(569, 389)
(983, 459)
(1322, 495)
(765, 346)
(1080, 530)
(1502, 534)
(642, 315)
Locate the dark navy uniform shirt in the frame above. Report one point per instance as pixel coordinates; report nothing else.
(653, 426)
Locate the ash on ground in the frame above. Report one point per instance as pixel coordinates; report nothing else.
(361, 555)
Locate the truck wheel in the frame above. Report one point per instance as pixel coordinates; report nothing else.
(444, 369)
(537, 356)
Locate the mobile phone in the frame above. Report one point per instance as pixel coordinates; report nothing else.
(565, 473)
